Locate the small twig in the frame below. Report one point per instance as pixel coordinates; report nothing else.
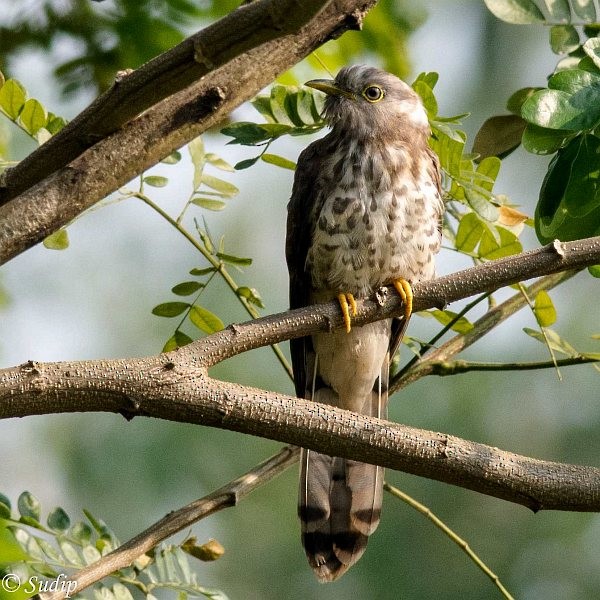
(455, 367)
(462, 544)
(226, 496)
(531, 305)
(491, 319)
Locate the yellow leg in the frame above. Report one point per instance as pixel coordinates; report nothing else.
(405, 291)
(348, 305)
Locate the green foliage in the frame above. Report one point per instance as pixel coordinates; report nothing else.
(562, 119)
(41, 554)
(27, 113)
(559, 12)
(123, 35)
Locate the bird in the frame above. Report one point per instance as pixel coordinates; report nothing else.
(365, 212)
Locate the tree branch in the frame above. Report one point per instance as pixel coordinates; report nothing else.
(230, 62)
(228, 495)
(176, 386)
(427, 365)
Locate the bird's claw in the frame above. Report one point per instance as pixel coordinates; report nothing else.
(405, 291)
(348, 305)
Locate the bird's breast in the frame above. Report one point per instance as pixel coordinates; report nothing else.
(372, 226)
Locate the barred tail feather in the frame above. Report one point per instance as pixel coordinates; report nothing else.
(340, 499)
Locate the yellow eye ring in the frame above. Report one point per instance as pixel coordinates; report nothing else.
(373, 93)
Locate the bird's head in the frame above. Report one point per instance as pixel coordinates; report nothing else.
(364, 101)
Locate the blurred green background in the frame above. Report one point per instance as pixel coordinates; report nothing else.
(94, 301)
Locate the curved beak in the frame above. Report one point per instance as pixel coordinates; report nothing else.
(328, 87)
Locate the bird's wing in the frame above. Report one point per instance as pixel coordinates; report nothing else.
(300, 225)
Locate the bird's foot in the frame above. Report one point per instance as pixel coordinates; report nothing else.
(405, 291)
(348, 305)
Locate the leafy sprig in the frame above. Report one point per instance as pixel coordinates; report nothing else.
(42, 551)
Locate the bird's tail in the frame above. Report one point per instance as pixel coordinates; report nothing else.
(339, 507)
(339, 503)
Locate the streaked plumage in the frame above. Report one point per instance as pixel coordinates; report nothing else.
(365, 211)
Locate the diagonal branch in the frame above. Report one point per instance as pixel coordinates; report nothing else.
(176, 386)
(228, 495)
(257, 43)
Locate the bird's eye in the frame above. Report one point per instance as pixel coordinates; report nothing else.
(373, 93)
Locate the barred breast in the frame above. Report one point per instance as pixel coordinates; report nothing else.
(377, 224)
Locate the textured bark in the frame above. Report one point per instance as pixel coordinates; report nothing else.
(228, 63)
(176, 386)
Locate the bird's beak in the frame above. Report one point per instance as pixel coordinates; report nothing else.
(328, 86)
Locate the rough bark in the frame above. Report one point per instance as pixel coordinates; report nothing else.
(176, 386)
(106, 147)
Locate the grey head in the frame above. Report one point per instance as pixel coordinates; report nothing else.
(365, 101)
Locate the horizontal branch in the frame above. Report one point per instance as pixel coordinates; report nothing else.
(176, 386)
(267, 47)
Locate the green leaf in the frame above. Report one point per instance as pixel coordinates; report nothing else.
(263, 105)
(54, 124)
(172, 159)
(59, 520)
(490, 249)
(583, 190)
(33, 116)
(544, 309)
(552, 338)
(499, 136)
(516, 100)
(29, 506)
(569, 202)
(251, 295)
(481, 205)
(198, 156)
(430, 78)
(59, 240)
(170, 309)
(81, 532)
(281, 108)
(156, 181)
(427, 97)
(245, 164)
(234, 260)
(209, 203)
(200, 272)
(519, 12)
(279, 161)
(572, 103)
(70, 553)
(186, 288)
(205, 320)
(121, 592)
(12, 98)
(218, 162)
(592, 49)
(227, 189)
(563, 39)
(584, 9)
(177, 340)
(10, 549)
(558, 10)
(445, 317)
(540, 140)
(90, 554)
(594, 271)
(469, 233)
(251, 134)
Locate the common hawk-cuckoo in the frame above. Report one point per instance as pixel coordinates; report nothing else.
(365, 212)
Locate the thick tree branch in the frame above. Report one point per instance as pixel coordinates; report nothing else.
(176, 386)
(228, 495)
(258, 42)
